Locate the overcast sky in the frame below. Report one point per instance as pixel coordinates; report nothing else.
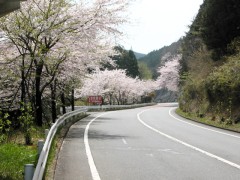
(157, 23)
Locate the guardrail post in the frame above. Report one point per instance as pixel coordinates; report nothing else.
(40, 146)
(28, 171)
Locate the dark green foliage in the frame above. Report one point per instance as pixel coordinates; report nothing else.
(190, 44)
(132, 69)
(219, 24)
(5, 126)
(126, 60)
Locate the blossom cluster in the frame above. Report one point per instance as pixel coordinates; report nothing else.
(115, 86)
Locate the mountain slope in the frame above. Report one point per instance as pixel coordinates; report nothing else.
(139, 55)
(154, 58)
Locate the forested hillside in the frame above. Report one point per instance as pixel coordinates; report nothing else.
(139, 55)
(154, 58)
(163, 66)
(210, 74)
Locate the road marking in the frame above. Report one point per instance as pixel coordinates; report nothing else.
(186, 144)
(151, 155)
(124, 141)
(200, 126)
(94, 171)
(169, 150)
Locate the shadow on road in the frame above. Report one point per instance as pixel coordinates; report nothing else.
(77, 130)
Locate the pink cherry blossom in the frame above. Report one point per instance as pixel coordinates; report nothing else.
(169, 72)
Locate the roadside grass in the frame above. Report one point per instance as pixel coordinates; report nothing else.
(12, 160)
(51, 162)
(80, 103)
(209, 121)
(14, 154)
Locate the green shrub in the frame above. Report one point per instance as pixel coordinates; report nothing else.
(5, 126)
(26, 121)
(223, 84)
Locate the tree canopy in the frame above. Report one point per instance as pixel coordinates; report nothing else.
(126, 60)
(219, 22)
(49, 45)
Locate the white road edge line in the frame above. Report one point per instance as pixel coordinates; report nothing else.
(200, 126)
(124, 141)
(94, 171)
(186, 144)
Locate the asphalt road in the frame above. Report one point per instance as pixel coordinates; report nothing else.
(150, 143)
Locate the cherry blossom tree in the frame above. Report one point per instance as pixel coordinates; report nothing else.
(169, 72)
(57, 38)
(10, 81)
(115, 86)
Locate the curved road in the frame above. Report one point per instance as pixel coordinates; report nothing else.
(151, 143)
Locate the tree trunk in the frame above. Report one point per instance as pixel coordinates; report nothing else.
(23, 90)
(118, 100)
(72, 100)
(53, 101)
(110, 99)
(63, 103)
(38, 95)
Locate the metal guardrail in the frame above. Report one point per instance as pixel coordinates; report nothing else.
(40, 168)
(105, 107)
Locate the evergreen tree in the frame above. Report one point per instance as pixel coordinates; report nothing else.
(126, 60)
(220, 24)
(132, 70)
